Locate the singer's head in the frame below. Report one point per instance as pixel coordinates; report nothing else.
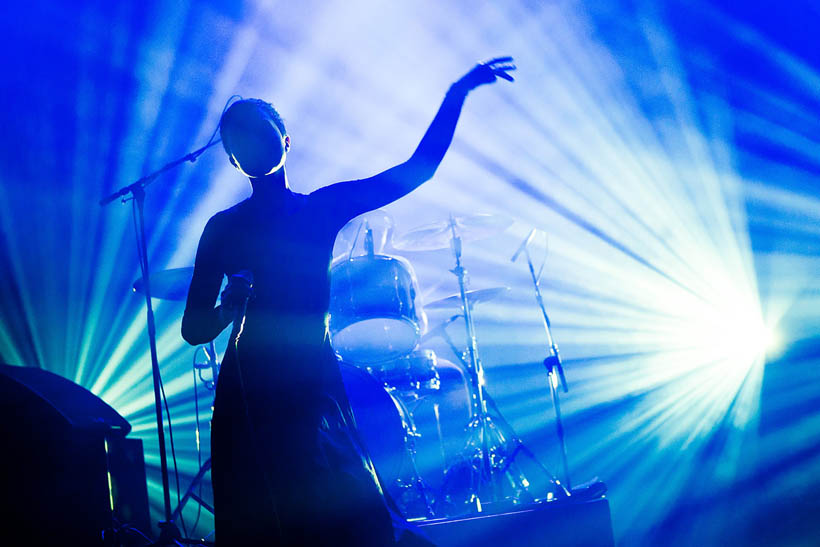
(254, 137)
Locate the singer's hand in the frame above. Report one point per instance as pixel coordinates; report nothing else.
(486, 73)
(236, 293)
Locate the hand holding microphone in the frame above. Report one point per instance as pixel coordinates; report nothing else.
(236, 294)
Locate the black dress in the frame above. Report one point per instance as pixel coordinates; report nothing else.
(286, 465)
(274, 479)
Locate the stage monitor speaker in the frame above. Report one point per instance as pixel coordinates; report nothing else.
(553, 524)
(67, 470)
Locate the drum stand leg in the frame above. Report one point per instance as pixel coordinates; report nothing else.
(410, 443)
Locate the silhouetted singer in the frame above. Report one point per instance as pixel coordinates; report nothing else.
(287, 466)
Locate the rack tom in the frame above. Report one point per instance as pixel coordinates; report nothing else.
(373, 315)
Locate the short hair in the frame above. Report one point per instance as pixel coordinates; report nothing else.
(238, 110)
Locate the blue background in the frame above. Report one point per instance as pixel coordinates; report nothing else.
(669, 152)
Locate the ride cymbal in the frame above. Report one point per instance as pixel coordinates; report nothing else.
(437, 235)
(474, 296)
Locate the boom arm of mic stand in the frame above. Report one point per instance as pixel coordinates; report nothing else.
(148, 179)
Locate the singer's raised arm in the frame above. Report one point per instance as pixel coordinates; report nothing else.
(358, 196)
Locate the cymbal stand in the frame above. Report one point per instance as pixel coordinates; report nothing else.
(552, 363)
(507, 461)
(484, 440)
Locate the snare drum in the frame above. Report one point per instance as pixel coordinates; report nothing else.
(373, 314)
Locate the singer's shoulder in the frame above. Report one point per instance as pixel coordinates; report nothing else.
(231, 213)
(221, 222)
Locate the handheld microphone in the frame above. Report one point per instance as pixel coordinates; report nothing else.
(239, 316)
(523, 245)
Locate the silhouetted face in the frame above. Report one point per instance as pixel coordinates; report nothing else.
(252, 140)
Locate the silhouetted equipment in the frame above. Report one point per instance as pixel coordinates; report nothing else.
(67, 470)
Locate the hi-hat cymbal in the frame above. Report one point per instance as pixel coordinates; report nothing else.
(474, 296)
(438, 235)
(168, 284)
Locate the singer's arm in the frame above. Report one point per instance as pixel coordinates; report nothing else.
(202, 321)
(353, 198)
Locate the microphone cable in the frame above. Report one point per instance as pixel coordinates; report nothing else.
(236, 333)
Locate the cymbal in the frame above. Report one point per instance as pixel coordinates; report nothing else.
(474, 296)
(168, 284)
(437, 235)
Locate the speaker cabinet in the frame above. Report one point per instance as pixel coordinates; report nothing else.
(67, 470)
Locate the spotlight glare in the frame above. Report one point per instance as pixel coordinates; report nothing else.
(772, 341)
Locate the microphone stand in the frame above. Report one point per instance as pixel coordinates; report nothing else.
(168, 531)
(552, 363)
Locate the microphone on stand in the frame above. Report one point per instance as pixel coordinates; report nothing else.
(523, 245)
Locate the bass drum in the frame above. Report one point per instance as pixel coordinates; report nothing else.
(382, 421)
(393, 426)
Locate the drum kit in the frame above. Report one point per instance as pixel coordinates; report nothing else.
(434, 433)
(377, 326)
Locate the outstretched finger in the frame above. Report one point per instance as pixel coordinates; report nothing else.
(497, 60)
(502, 74)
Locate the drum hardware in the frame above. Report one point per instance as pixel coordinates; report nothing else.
(552, 362)
(507, 459)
